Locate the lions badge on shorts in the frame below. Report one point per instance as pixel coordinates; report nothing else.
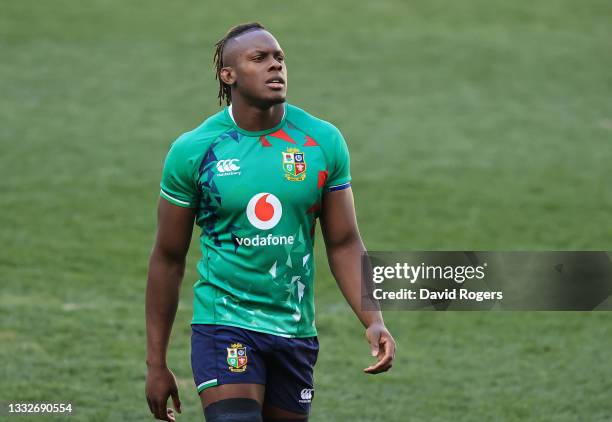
(294, 165)
(237, 357)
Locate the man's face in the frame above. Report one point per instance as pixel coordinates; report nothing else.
(255, 68)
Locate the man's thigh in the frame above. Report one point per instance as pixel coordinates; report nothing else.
(229, 371)
(222, 355)
(290, 382)
(232, 391)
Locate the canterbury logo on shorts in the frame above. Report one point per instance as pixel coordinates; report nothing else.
(306, 395)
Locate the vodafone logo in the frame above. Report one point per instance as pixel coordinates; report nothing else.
(264, 211)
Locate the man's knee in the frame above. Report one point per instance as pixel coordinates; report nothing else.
(233, 410)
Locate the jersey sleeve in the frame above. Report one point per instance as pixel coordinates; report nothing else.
(179, 176)
(339, 176)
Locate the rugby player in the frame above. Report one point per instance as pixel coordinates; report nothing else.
(255, 177)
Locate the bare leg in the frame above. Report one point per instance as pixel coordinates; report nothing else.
(232, 391)
(276, 414)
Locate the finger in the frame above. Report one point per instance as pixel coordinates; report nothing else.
(153, 406)
(176, 401)
(376, 369)
(385, 369)
(382, 363)
(387, 350)
(160, 411)
(170, 415)
(386, 360)
(390, 346)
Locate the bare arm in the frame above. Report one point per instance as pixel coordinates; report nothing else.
(166, 269)
(344, 250)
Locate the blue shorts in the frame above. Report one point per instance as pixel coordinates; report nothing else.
(221, 354)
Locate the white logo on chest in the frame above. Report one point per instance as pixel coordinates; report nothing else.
(228, 167)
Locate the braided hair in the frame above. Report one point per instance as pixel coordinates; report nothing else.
(225, 92)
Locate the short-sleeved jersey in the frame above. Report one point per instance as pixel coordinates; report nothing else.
(257, 197)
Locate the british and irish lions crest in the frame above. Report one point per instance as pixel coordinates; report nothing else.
(237, 357)
(294, 165)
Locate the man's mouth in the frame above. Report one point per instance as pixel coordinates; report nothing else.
(276, 83)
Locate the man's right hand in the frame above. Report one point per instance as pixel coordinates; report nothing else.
(160, 385)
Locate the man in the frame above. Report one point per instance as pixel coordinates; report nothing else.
(255, 177)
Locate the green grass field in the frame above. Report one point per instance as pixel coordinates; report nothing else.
(472, 125)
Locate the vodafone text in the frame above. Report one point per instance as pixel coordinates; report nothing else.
(268, 240)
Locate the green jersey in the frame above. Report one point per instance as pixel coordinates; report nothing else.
(257, 197)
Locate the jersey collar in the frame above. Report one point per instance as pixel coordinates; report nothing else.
(228, 113)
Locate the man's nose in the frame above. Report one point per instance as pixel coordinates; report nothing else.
(276, 65)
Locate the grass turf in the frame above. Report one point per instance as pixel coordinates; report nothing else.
(472, 125)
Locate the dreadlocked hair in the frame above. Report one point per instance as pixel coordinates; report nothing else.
(225, 92)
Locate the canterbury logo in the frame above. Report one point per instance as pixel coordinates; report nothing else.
(306, 395)
(228, 166)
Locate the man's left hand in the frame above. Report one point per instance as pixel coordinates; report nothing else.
(383, 347)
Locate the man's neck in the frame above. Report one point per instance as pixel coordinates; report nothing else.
(254, 119)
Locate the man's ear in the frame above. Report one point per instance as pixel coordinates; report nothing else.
(227, 75)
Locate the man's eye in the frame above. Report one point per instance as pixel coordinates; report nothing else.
(258, 58)
(280, 58)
